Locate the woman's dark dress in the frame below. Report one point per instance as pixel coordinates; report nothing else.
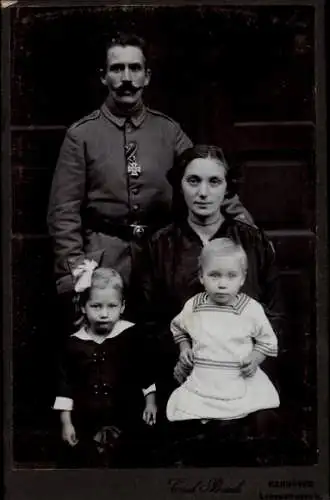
(168, 276)
(168, 272)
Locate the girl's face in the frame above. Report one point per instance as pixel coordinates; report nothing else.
(204, 187)
(222, 278)
(103, 309)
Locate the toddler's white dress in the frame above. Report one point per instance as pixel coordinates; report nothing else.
(222, 336)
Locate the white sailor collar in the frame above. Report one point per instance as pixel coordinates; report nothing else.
(119, 327)
(202, 302)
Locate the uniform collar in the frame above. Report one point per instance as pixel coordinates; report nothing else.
(119, 327)
(111, 112)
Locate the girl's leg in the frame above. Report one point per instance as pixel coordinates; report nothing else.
(83, 455)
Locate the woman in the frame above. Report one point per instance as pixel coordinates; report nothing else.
(168, 273)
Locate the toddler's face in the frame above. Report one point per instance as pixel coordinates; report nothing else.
(222, 277)
(103, 309)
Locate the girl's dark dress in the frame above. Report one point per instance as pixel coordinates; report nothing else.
(106, 381)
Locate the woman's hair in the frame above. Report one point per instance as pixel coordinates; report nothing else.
(103, 277)
(223, 246)
(176, 173)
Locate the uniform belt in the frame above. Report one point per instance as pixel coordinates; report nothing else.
(126, 232)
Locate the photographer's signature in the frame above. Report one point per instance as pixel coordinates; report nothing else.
(215, 485)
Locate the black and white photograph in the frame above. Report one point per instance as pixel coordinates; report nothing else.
(166, 264)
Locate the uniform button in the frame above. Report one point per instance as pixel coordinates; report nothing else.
(136, 208)
(135, 190)
(128, 128)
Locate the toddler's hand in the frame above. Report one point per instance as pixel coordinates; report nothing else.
(251, 362)
(149, 414)
(69, 434)
(181, 372)
(186, 356)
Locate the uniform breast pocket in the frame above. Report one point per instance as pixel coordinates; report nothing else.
(105, 172)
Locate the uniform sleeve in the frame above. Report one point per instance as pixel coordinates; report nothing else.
(179, 326)
(182, 141)
(66, 197)
(232, 206)
(264, 335)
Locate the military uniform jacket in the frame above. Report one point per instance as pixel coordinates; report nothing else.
(91, 185)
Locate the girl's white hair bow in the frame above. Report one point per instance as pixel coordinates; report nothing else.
(83, 275)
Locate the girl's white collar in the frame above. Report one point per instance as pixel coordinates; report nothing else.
(119, 327)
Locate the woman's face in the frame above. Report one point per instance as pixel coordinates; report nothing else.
(204, 186)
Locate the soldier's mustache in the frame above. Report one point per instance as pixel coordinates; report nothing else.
(124, 87)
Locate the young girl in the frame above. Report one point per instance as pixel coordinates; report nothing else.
(106, 380)
(223, 337)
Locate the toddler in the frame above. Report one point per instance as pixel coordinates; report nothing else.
(223, 337)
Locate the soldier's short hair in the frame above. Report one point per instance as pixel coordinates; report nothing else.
(123, 39)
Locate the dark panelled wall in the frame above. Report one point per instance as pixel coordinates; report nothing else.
(238, 77)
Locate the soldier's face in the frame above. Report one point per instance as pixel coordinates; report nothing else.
(126, 74)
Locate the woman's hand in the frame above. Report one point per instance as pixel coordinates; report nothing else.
(69, 434)
(251, 362)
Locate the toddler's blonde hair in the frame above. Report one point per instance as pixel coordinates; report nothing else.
(224, 246)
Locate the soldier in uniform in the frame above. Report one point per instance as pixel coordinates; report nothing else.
(110, 191)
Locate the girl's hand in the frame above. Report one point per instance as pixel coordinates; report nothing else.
(149, 414)
(186, 355)
(69, 434)
(250, 364)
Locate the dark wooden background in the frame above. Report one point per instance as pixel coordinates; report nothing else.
(242, 78)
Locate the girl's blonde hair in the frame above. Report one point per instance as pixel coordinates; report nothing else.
(103, 277)
(224, 246)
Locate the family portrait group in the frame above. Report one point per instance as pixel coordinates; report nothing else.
(163, 166)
